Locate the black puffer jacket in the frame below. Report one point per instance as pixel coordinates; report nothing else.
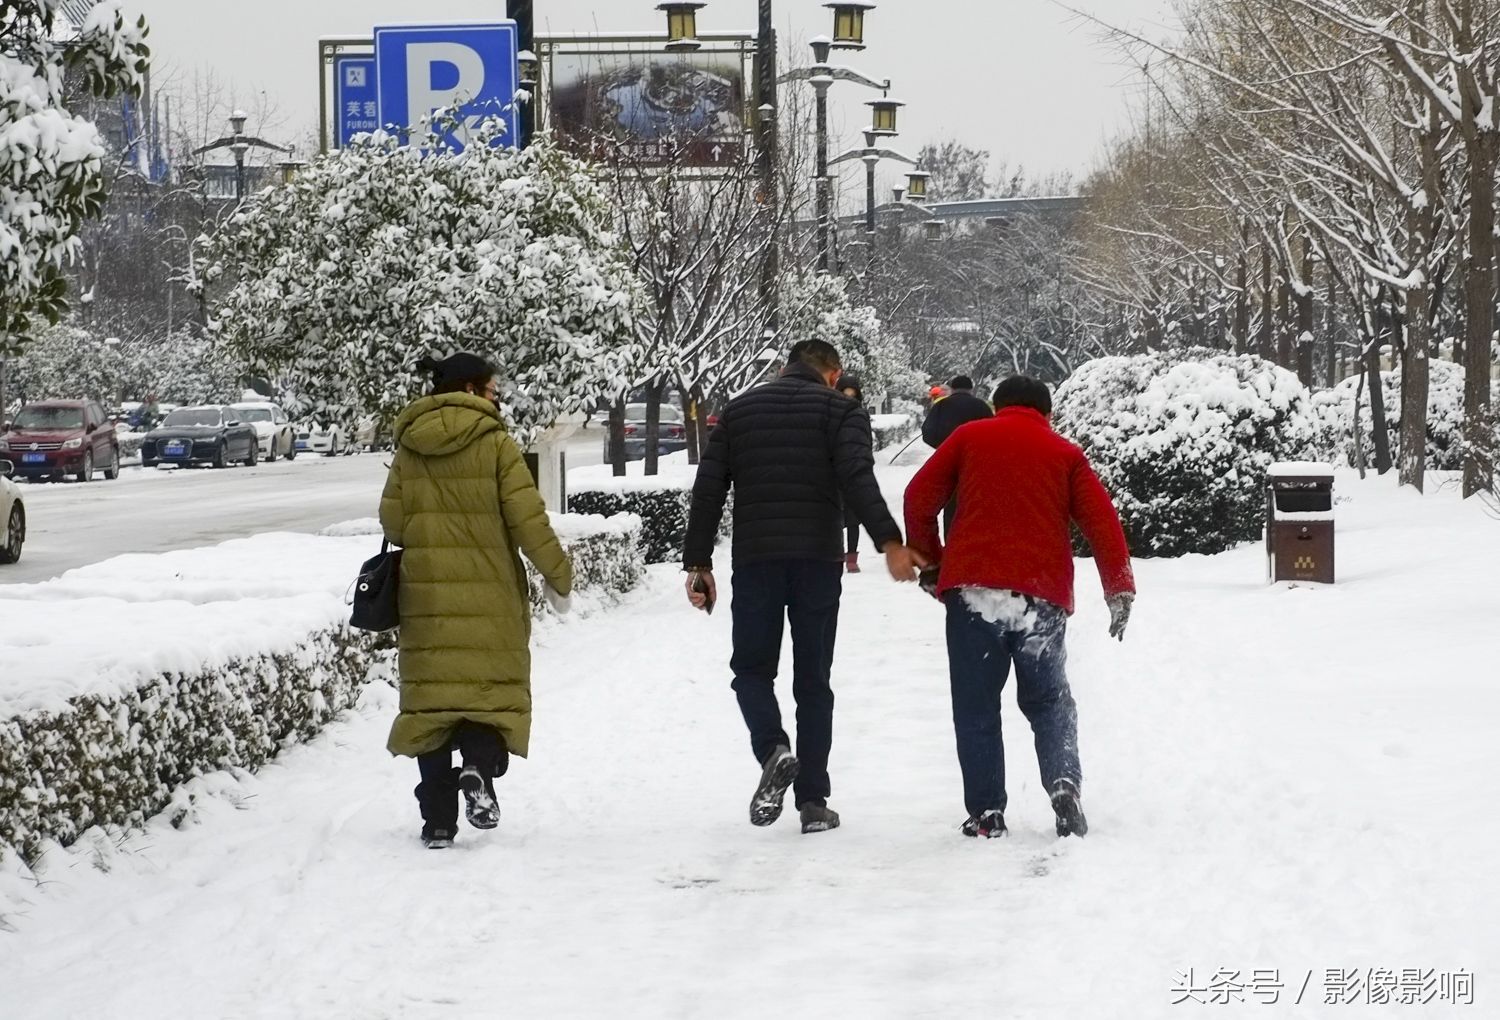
(948, 414)
(795, 451)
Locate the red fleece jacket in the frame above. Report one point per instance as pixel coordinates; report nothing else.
(1019, 485)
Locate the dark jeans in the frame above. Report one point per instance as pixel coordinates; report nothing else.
(437, 793)
(980, 653)
(806, 592)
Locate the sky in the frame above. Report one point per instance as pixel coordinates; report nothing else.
(1024, 79)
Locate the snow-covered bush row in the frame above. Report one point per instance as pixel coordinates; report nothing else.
(891, 429)
(1184, 445)
(662, 513)
(1334, 409)
(115, 758)
(169, 667)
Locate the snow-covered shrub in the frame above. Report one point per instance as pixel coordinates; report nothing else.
(52, 174)
(69, 361)
(1184, 445)
(377, 254)
(661, 507)
(606, 555)
(115, 758)
(1334, 409)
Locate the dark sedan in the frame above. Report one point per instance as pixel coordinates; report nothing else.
(201, 435)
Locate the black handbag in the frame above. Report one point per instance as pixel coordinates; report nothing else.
(375, 604)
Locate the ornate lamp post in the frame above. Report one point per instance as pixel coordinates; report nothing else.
(849, 29)
(882, 125)
(240, 144)
(682, 25)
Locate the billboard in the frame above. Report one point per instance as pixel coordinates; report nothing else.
(649, 107)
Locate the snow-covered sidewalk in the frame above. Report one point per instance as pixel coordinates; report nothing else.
(1288, 780)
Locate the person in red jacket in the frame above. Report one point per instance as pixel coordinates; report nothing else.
(1006, 577)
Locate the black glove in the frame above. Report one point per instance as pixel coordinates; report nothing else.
(927, 579)
(1119, 613)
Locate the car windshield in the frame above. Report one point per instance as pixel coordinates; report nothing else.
(194, 416)
(670, 413)
(47, 418)
(254, 413)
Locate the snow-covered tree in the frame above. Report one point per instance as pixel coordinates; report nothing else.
(72, 361)
(817, 306)
(51, 160)
(379, 253)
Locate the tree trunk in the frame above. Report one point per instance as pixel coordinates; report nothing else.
(654, 390)
(617, 437)
(691, 425)
(1265, 343)
(1285, 357)
(1305, 316)
(1479, 310)
(1370, 365)
(1242, 303)
(1414, 376)
(1331, 330)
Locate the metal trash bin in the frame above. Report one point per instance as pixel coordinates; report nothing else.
(1299, 523)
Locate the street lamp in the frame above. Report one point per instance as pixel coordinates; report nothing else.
(882, 125)
(916, 184)
(883, 117)
(849, 25)
(682, 25)
(849, 30)
(240, 144)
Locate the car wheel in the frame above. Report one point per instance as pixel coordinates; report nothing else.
(221, 456)
(87, 474)
(333, 446)
(15, 533)
(291, 453)
(112, 473)
(271, 454)
(254, 457)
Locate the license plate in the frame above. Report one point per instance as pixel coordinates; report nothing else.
(33, 458)
(303, 444)
(175, 449)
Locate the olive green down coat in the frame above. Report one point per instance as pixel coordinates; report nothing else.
(461, 502)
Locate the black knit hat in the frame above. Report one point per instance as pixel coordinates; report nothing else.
(456, 368)
(851, 382)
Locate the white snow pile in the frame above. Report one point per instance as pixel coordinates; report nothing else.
(124, 679)
(1183, 443)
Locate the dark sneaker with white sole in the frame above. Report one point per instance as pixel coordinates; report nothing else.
(1069, 809)
(482, 810)
(818, 818)
(990, 825)
(776, 778)
(435, 837)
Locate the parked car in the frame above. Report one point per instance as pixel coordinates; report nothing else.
(325, 438)
(12, 516)
(57, 438)
(201, 435)
(275, 433)
(671, 439)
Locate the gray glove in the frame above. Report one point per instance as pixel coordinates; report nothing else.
(1119, 613)
(561, 604)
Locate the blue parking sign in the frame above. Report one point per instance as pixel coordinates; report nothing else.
(356, 97)
(471, 67)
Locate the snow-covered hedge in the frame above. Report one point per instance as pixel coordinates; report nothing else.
(662, 513)
(1334, 409)
(173, 666)
(1183, 442)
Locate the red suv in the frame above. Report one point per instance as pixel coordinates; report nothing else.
(61, 437)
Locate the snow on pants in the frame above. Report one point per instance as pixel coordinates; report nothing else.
(981, 649)
(437, 793)
(766, 596)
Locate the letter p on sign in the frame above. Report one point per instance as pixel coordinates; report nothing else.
(426, 68)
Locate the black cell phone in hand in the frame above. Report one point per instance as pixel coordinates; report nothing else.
(700, 586)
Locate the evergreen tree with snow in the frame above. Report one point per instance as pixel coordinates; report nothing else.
(819, 307)
(52, 173)
(381, 253)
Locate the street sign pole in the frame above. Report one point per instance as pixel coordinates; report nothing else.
(523, 14)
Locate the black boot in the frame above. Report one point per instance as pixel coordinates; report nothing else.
(1069, 809)
(988, 825)
(485, 758)
(437, 796)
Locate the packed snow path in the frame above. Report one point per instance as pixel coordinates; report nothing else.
(1276, 779)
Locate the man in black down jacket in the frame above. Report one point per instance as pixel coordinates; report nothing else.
(795, 450)
(959, 408)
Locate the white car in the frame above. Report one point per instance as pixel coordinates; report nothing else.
(276, 435)
(12, 516)
(329, 439)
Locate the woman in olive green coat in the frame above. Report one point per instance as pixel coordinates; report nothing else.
(462, 504)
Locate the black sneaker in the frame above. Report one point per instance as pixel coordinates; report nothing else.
(776, 777)
(989, 825)
(1069, 810)
(483, 811)
(436, 837)
(818, 817)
